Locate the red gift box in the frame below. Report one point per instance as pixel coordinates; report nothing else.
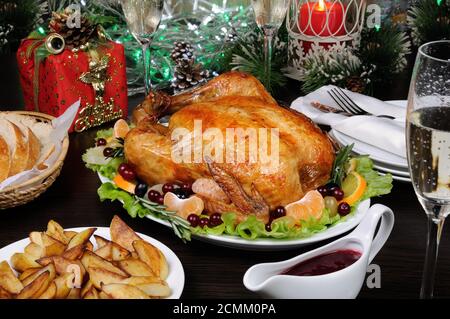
(58, 84)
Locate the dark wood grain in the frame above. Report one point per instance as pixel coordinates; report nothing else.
(215, 272)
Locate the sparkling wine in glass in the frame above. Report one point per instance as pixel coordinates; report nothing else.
(143, 18)
(269, 15)
(428, 143)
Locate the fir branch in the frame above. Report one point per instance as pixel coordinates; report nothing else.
(338, 170)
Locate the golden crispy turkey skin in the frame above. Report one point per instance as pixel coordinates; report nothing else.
(232, 100)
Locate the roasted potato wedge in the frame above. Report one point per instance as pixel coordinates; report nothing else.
(153, 257)
(112, 252)
(135, 267)
(54, 249)
(90, 259)
(69, 234)
(89, 246)
(34, 250)
(105, 252)
(81, 238)
(4, 294)
(100, 241)
(99, 276)
(152, 286)
(21, 262)
(92, 294)
(74, 252)
(50, 293)
(36, 287)
(122, 234)
(75, 293)
(63, 286)
(123, 291)
(87, 286)
(8, 280)
(29, 272)
(56, 231)
(50, 269)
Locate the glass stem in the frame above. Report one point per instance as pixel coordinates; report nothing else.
(268, 46)
(434, 236)
(147, 61)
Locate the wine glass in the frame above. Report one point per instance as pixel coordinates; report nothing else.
(269, 15)
(428, 143)
(143, 18)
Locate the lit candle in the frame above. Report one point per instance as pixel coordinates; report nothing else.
(313, 18)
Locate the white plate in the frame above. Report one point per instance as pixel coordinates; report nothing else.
(398, 178)
(276, 244)
(175, 280)
(390, 169)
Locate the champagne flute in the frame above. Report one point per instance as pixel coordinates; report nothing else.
(428, 143)
(269, 15)
(143, 18)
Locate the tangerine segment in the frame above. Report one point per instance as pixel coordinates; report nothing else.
(354, 187)
(124, 184)
(121, 129)
(310, 206)
(184, 207)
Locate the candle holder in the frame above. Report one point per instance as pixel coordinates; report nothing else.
(321, 22)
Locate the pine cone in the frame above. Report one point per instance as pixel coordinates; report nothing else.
(187, 74)
(74, 37)
(355, 84)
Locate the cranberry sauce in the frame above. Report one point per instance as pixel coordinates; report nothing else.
(324, 264)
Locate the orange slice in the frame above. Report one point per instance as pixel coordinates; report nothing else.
(184, 207)
(124, 184)
(354, 186)
(310, 206)
(121, 129)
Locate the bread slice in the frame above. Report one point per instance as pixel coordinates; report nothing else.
(34, 149)
(5, 159)
(17, 144)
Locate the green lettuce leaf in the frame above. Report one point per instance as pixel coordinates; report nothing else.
(109, 170)
(377, 184)
(109, 191)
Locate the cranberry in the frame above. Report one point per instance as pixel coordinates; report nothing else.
(337, 193)
(108, 152)
(330, 186)
(268, 227)
(186, 187)
(203, 222)
(344, 209)
(153, 195)
(193, 219)
(280, 211)
(169, 187)
(127, 172)
(160, 200)
(215, 219)
(141, 190)
(101, 142)
(323, 190)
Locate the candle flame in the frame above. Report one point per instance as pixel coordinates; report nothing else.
(321, 5)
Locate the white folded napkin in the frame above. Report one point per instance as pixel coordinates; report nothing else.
(386, 134)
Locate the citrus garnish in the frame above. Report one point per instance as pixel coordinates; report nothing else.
(184, 207)
(354, 186)
(124, 184)
(310, 206)
(121, 129)
(350, 166)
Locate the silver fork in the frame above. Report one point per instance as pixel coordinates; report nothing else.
(348, 105)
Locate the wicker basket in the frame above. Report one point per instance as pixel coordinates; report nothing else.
(27, 191)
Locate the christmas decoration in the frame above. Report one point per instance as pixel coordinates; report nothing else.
(187, 73)
(59, 68)
(247, 56)
(429, 20)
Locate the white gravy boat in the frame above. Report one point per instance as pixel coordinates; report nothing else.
(266, 279)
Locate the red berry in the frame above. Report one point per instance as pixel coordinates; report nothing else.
(323, 190)
(168, 187)
(193, 219)
(280, 211)
(108, 152)
(215, 219)
(337, 193)
(153, 195)
(203, 222)
(126, 172)
(101, 142)
(186, 187)
(160, 200)
(344, 209)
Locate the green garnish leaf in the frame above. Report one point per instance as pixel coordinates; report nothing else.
(338, 171)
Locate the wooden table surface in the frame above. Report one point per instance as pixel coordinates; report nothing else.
(216, 272)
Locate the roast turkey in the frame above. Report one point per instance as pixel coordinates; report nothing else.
(232, 100)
